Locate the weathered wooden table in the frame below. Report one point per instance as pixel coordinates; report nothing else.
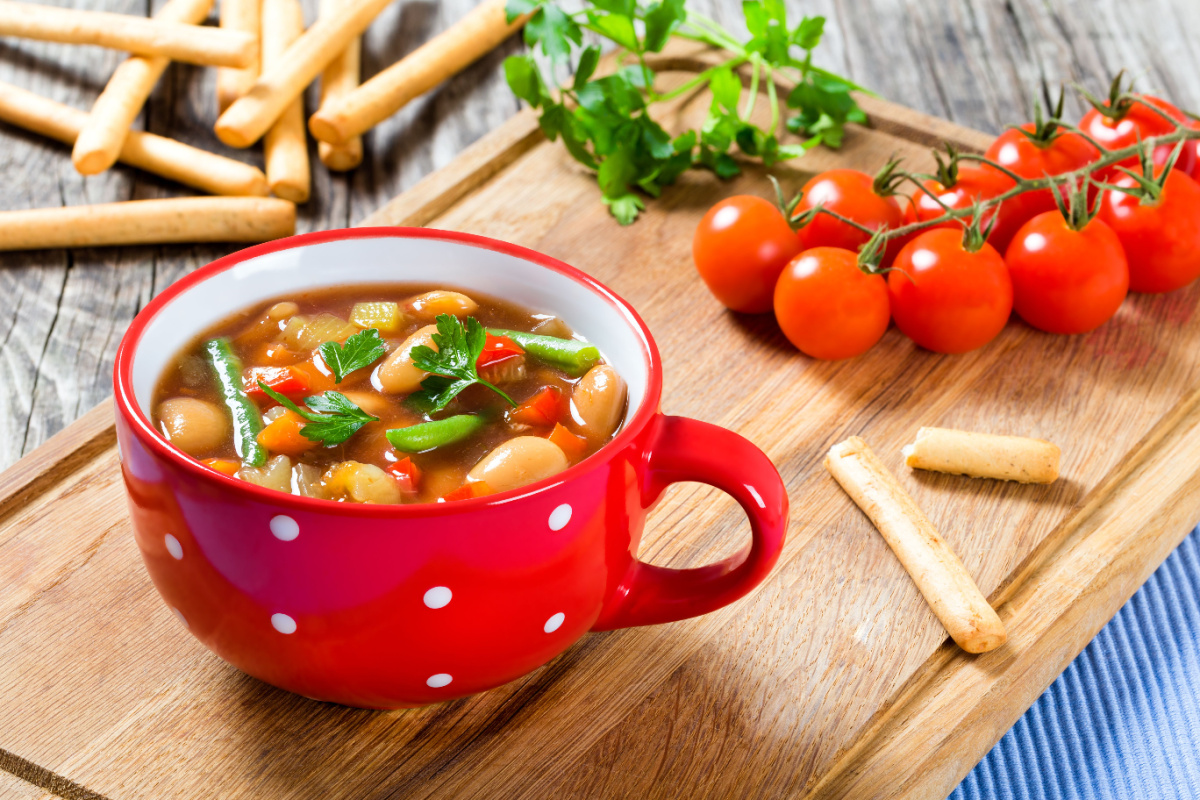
(62, 313)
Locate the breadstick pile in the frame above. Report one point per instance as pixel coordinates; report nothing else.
(935, 569)
(266, 59)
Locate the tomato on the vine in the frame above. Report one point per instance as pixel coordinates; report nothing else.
(740, 248)
(828, 307)
(854, 195)
(973, 182)
(1161, 236)
(946, 297)
(1066, 280)
(1136, 121)
(1032, 158)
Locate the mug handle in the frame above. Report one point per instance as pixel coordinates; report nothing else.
(685, 449)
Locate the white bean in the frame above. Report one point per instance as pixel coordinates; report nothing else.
(598, 401)
(431, 304)
(518, 462)
(397, 375)
(196, 427)
(282, 311)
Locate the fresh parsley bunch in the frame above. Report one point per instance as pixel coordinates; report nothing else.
(605, 122)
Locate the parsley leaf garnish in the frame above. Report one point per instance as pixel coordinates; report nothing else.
(361, 350)
(452, 365)
(336, 421)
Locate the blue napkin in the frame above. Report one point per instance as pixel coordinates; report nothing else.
(1123, 720)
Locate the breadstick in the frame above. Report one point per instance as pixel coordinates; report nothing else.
(245, 122)
(446, 54)
(148, 37)
(984, 455)
(340, 78)
(238, 15)
(285, 148)
(183, 219)
(933, 566)
(189, 165)
(113, 113)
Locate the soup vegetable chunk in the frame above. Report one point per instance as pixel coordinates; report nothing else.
(389, 394)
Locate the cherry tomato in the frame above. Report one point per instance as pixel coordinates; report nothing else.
(975, 182)
(1066, 281)
(828, 307)
(852, 194)
(947, 298)
(1015, 151)
(1161, 239)
(1139, 123)
(740, 247)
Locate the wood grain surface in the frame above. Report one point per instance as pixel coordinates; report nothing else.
(976, 62)
(13, 788)
(833, 680)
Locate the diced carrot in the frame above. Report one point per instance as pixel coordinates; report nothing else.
(497, 349)
(543, 409)
(466, 492)
(572, 445)
(225, 465)
(407, 475)
(289, 381)
(283, 436)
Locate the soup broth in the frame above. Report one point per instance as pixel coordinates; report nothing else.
(398, 393)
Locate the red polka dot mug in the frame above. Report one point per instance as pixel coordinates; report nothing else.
(390, 606)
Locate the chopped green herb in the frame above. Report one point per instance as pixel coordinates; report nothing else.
(336, 420)
(361, 350)
(452, 366)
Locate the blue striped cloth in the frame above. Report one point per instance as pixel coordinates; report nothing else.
(1123, 721)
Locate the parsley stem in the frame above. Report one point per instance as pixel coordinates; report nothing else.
(720, 37)
(752, 97)
(772, 99)
(701, 78)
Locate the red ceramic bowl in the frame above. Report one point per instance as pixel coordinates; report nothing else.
(394, 606)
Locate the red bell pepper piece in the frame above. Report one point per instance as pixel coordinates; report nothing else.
(542, 410)
(288, 381)
(466, 492)
(407, 475)
(497, 349)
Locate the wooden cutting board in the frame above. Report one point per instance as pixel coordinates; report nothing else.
(833, 680)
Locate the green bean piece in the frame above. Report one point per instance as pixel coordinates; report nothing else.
(430, 435)
(570, 355)
(247, 421)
